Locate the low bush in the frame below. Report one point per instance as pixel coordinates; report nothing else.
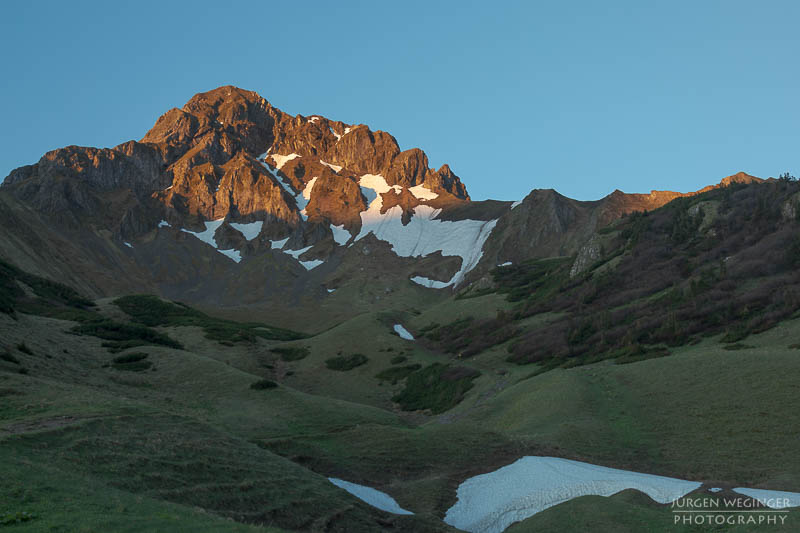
(292, 353)
(343, 363)
(130, 358)
(263, 384)
(151, 311)
(124, 336)
(6, 356)
(436, 387)
(22, 347)
(397, 359)
(132, 362)
(9, 519)
(737, 346)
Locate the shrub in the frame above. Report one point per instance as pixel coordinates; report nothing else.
(6, 356)
(292, 353)
(151, 311)
(343, 363)
(22, 347)
(9, 519)
(436, 387)
(124, 336)
(263, 384)
(738, 346)
(132, 362)
(130, 358)
(397, 359)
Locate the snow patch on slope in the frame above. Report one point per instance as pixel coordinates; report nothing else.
(489, 503)
(515, 204)
(335, 168)
(308, 265)
(340, 235)
(303, 198)
(430, 283)
(375, 498)
(297, 253)
(277, 245)
(311, 264)
(403, 332)
(281, 160)
(164, 224)
(207, 236)
(338, 137)
(249, 231)
(423, 193)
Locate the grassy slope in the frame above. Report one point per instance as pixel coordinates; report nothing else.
(704, 413)
(185, 432)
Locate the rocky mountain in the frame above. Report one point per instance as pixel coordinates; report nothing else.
(230, 201)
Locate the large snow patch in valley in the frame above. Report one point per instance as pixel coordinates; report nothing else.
(489, 503)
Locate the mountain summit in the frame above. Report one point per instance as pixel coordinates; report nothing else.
(229, 200)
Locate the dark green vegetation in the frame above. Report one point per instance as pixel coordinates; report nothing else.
(722, 262)
(466, 337)
(397, 373)
(8, 357)
(121, 336)
(291, 353)
(44, 297)
(343, 363)
(436, 387)
(263, 384)
(132, 362)
(153, 311)
(9, 519)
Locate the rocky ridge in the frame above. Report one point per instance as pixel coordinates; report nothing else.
(291, 202)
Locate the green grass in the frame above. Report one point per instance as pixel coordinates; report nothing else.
(191, 445)
(343, 363)
(153, 311)
(62, 501)
(436, 387)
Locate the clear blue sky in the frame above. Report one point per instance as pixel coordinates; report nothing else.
(583, 97)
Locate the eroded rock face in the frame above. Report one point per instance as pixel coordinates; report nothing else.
(201, 162)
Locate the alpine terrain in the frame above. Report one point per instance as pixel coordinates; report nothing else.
(251, 321)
